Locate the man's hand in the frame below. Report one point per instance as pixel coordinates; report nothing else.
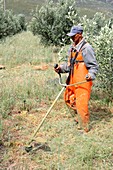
(88, 77)
(57, 68)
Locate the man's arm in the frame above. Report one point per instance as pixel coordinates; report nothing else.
(64, 68)
(90, 60)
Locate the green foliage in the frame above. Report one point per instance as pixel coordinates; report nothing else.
(22, 21)
(93, 26)
(53, 21)
(10, 24)
(104, 52)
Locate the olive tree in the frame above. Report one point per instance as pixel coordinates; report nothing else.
(53, 21)
(104, 52)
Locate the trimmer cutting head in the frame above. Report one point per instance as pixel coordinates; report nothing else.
(38, 146)
(28, 148)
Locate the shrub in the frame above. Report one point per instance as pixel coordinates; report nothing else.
(104, 52)
(22, 21)
(10, 24)
(93, 26)
(53, 21)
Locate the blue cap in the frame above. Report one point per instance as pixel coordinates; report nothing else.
(75, 30)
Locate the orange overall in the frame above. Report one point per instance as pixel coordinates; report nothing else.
(77, 97)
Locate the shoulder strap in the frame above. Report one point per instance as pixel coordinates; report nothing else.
(72, 62)
(74, 58)
(82, 45)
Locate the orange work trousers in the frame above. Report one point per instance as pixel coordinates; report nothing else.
(77, 97)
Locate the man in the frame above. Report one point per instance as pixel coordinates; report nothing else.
(82, 65)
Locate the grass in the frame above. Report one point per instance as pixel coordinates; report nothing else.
(27, 91)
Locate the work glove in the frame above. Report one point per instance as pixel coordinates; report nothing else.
(88, 77)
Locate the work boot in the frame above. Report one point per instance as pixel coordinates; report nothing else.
(86, 128)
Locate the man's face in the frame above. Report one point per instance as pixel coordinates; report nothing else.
(76, 38)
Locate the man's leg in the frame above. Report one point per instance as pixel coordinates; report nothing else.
(82, 99)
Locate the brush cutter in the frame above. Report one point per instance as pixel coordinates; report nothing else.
(29, 147)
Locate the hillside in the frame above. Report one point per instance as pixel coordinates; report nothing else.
(25, 7)
(90, 7)
(84, 7)
(107, 1)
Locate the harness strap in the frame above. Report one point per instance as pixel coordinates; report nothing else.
(73, 61)
(79, 61)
